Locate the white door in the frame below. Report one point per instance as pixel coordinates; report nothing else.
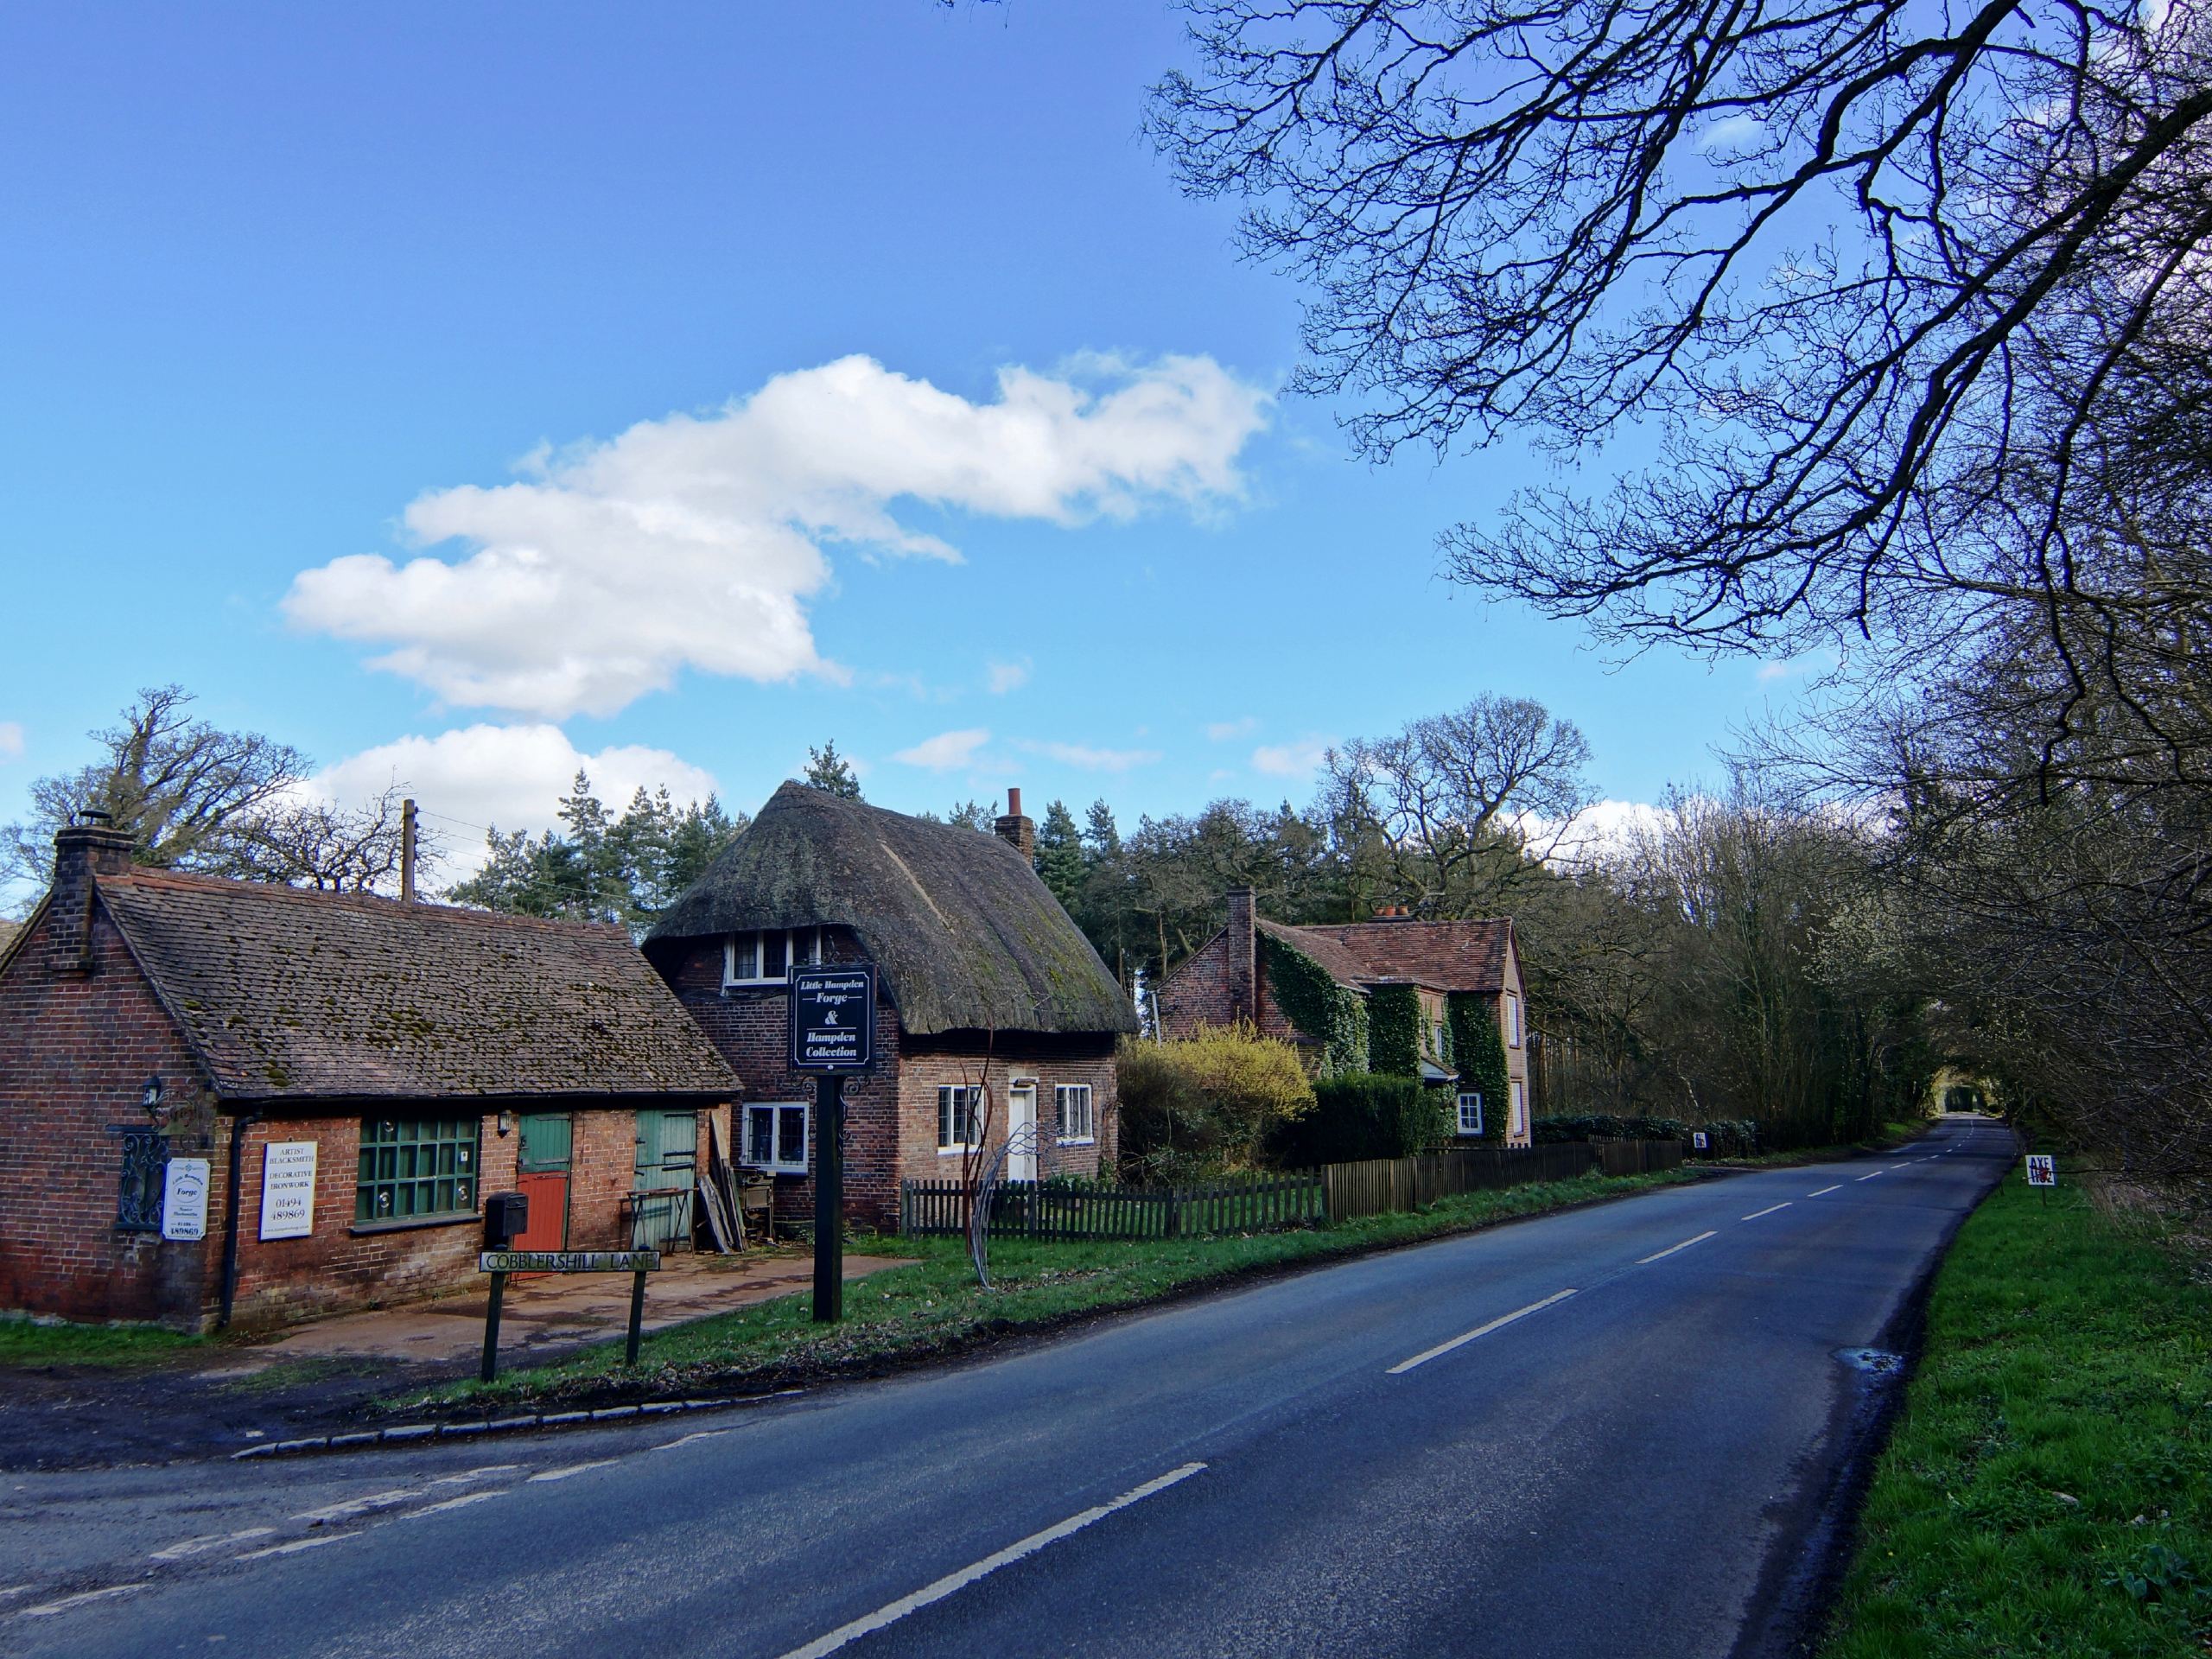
(1021, 1132)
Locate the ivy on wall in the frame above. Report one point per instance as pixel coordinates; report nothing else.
(1471, 1020)
(1318, 1006)
(1394, 1030)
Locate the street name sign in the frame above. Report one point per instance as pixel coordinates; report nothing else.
(2043, 1169)
(569, 1261)
(833, 1017)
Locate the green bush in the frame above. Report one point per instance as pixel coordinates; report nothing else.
(1207, 1104)
(1354, 1118)
(1728, 1136)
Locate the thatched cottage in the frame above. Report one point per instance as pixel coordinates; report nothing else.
(995, 1017)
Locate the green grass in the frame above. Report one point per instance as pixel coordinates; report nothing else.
(27, 1342)
(2066, 1354)
(910, 1313)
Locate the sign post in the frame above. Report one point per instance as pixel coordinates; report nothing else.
(833, 1035)
(500, 1263)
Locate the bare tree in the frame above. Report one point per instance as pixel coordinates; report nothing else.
(317, 843)
(1914, 299)
(1458, 805)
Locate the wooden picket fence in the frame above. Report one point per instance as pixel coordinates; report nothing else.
(1381, 1184)
(1039, 1209)
(1253, 1203)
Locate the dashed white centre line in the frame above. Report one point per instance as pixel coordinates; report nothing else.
(461, 1503)
(46, 1610)
(1441, 1348)
(1825, 1191)
(296, 1546)
(1769, 1211)
(892, 1613)
(1671, 1248)
(1870, 1176)
(354, 1506)
(206, 1542)
(573, 1469)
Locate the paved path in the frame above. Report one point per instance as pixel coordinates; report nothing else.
(1607, 1433)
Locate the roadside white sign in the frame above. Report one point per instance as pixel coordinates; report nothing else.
(184, 1198)
(288, 1189)
(1698, 1140)
(2043, 1169)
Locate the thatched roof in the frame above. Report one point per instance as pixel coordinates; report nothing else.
(966, 936)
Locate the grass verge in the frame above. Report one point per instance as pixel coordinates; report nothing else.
(935, 1308)
(1892, 1136)
(2048, 1489)
(29, 1342)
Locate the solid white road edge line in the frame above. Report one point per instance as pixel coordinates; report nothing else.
(1825, 1191)
(354, 1506)
(892, 1613)
(573, 1469)
(1423, 1357)
(1671, 1248)
(47, 1608)
(296, 1546)
(206, 1542)
(1769, 1211)
(461, 1503)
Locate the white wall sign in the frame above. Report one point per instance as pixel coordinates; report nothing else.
(184, 1198)
(2043, 1169)
(287, 1189)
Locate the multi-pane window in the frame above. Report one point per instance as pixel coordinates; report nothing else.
(775, 1136)
(1071, 1108)
(1470, 1113)
(1520, 1107)
(413, 1167)
(764, 957)
(957, 1111)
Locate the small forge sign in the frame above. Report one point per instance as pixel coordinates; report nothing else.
(288, 1189)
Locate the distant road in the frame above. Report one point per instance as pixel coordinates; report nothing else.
(1608, 1433)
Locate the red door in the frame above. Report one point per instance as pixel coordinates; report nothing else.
(542, 1174)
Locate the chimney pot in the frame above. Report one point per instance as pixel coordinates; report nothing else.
(81, 852)
(1015, 831)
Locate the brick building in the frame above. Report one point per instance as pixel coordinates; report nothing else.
(994, 1013)
(1447, 969)
(336, 1080)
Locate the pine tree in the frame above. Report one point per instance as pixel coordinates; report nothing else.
(829, 771)
(1059, 854)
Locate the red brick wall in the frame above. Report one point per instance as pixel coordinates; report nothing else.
(74, 1049)
(890, 1115)
(1199, 993)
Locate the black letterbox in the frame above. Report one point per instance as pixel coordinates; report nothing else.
(505, 1217)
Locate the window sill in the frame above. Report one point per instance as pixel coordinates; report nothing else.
(776, 1169)
(956, 1152)
(1076, 1140)
(408, 1224)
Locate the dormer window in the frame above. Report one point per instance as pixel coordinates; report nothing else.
(765, 956)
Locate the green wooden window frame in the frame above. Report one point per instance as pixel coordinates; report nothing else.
(416, 1167)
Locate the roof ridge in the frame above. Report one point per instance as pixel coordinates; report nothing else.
(154, 876)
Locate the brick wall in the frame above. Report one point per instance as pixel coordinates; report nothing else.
(1201, 991)
(75, 1046)
(891, 1114)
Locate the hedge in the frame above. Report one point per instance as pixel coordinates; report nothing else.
(1360, 1117)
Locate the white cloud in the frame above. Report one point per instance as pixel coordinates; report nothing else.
(1737, 131)
(1601, 834)
(696, 541)
(11, 739)
(1298, 760)
(946, 751)
(1082, 755)
(1222, 730)
(510, 776)
(1008, 676)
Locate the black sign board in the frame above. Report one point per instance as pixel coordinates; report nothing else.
(833, 1017)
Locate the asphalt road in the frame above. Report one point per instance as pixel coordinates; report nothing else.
(1613, 1432)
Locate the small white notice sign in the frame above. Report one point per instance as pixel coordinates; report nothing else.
(2043, 1169)
(288, 1189)
(184, 1198)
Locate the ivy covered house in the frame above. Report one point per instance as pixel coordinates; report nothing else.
(1438, 1001)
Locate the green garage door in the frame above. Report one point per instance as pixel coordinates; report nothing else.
(668, 1159)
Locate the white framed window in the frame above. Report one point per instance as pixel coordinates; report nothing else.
(1470, 1113)
(958, 1108)
(1520, 1106)
(775, 1136)
(1512, 1020)
(766, 957)
(1071, 1112)
(1436, 1042)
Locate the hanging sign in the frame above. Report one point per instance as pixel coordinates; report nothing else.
(287, 1189)
(2043, 1169)
(833, 1017)
(184, 1198)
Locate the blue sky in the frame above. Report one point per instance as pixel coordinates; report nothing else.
(286, 294)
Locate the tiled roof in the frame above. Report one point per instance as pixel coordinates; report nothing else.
(1443, 955)
(286, 994)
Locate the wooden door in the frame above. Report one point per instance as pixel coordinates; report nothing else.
(543, 1155)
(668, 1161)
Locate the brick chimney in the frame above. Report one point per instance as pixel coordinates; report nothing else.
(1244, 957)
(1016, 831)
(81, 852)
